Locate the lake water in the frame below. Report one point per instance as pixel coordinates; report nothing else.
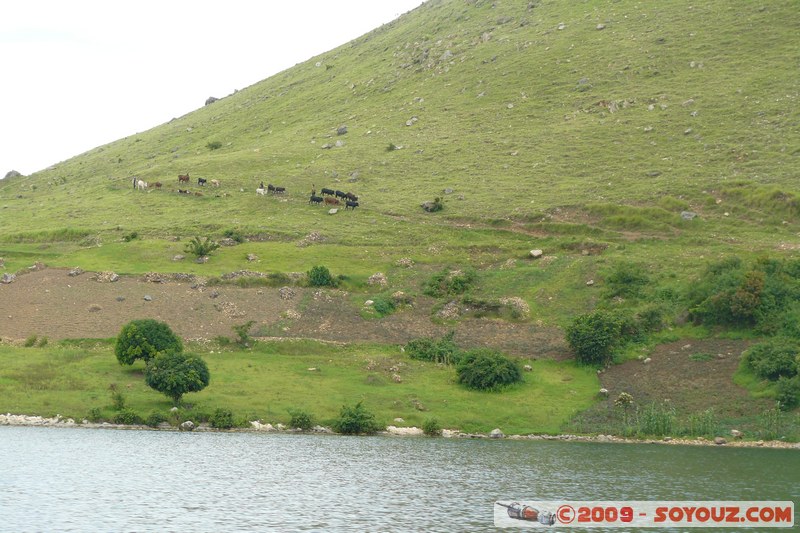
(58, 479)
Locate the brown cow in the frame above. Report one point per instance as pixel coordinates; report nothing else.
(331, 201)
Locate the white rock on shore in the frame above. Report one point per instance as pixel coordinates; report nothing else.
(394, 430)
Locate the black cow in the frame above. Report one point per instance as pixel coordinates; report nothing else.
(183, 191)
(340, 194)
(351, 196)
(201, 181)
(351, 204)
(330, 192)
(270, 188)
(315, 199)
(280, 190)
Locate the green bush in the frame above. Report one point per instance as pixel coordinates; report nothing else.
(431, 427)
(235, 235)
(320, 276)
(442, 351)
(788, 392)
(355, 420)
(30, 341)
(383, 306)
(593, 337)
(130, 236)
(222, 419)
(95, 415)
(627, 280)
(484, 369)
(128, 417)
(301, 419)
(774, 358)
(145, 339)
(214, 145)
(200, 247)
(174, 374)
(449, 282)
(155, 418)
(117, 397)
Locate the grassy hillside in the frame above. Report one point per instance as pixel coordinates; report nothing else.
(584, 129)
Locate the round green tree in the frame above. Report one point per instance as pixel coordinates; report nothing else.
(174, 374)
(145, 339)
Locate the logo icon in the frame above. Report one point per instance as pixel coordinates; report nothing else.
(518, 511)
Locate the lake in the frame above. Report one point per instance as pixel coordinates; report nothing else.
(62, 479)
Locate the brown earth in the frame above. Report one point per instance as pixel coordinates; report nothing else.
(50, 303)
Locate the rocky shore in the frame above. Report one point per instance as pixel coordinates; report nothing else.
(9, 419)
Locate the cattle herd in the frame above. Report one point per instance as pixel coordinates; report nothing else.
(328, 196)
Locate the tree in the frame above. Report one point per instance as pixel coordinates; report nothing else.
(200, 248)
(320, 276)
(145, 339)
(594, 336)
(174, 374)
(355, 420)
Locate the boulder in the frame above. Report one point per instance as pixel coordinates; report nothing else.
(187, 426)
(12, 174)
(719, 441)
(178, 257)
(333, 211)
(496, 434)
(341, 130)
(8, 278)
(211, 99)
(688, 215)
(536, 254)
(252, 257)
(77, 271)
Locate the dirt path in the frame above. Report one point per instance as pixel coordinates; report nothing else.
(53, 304)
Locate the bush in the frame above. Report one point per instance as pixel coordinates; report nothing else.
(774, 359)
(627, 280)
(221, 419)
(130, 236)
(484, 369)
(355, 420)
(301, 419)
(117, 398)
(243, 332)
(95, 415)
(235, 235)
(442, 351)
(593, 337)
(788, 393)
(145, 339)
(450, 282)
(214, 145)
(30, 341)
(174, 374)
(127, 417)
(383, 306)
(431, 427)
(200, 248)
(155, 418)
(320, 276)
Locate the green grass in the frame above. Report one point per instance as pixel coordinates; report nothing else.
(72, 378)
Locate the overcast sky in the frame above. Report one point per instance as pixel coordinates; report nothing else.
(81, 73)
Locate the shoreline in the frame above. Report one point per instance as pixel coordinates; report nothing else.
(58, 421)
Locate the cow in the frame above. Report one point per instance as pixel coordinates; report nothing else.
(331, 201)
(340, 194)
(351, 196)
(215, 183)
(351, 204)
(329, 192)
(201, 181)
(183, 177)
(280, 190)
(141, 185)
(183, 191)
(157, 185)
(261, 190)
(271, 188)
(315, 199)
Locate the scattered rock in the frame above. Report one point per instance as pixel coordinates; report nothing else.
(187, 426)
(527, 368)
(647, 361)
(448, 190)
(202, 259)
(378, 279)
(399, 420)
(286, 293)
(536, 254)
(258, 426)
(396, 378)
(404, 262)
(369, 303)
(600, 27)
(401, 298)
(450, 311)
(590, 282)
(38, 265)
(333, 211)
(120, 298)
(214, 294)
(178, 257)
(106, 277)
(688, 215)
(496, 434)
(719, 441)
(227, 241)
(310, 239)
(148, 298)
(406, 432)
(8, 278)
(77, 271)
(252, 257)
(291, 314)
(341, 130)
(603, 392)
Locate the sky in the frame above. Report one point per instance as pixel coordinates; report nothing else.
(79, 74)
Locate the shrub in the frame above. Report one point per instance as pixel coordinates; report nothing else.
(320, 276)
(627, 280)
(145, 339)
(221, 419)
(383, 306)
(450, 282)
(155, 418)
(214, 145)
(130, 236)
(95, 415)
(301, 419)
(128, 417)
(235, 235)
(442, 351)
(30, 341)
(774, 359)
(174, 374)
(200, 247)
(243, 332)
(431, 427)
(593, 337)
(117, 398)
(484, 369)
(355, 420)
(788, 393)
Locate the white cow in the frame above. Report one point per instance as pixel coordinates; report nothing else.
(261, 191)
(141, 185)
